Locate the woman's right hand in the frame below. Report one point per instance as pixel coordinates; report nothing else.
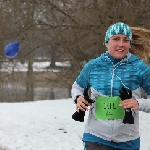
(82, 104)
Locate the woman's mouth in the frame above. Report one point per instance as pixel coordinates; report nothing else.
(120, 50)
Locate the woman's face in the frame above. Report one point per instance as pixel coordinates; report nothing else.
(118, 46)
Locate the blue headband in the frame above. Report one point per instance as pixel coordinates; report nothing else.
(118, 28)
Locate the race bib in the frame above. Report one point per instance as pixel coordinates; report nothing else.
(108, 108)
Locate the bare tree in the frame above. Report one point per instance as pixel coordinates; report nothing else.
(60, 31)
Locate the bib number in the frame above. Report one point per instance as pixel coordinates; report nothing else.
(108, 108)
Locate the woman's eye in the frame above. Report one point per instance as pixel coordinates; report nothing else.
(116, 39)
(126, 40)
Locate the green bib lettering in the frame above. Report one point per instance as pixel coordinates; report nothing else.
(108, 108)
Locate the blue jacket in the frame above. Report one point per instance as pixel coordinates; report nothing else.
(105, 79)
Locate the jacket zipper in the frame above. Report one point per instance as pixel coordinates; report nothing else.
(112, 80)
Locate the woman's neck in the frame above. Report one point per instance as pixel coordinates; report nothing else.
(114, 60)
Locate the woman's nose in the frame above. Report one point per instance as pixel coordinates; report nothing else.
(121, 43)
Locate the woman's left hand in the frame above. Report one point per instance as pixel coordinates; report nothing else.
(130, 103)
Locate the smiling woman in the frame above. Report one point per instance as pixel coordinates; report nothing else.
(115, 78)
(118, 46)
(118, 40)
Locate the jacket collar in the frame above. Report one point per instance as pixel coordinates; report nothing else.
(108, 58)
(129, 58)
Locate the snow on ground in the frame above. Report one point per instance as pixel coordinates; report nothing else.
(47, 125)
(37, 66)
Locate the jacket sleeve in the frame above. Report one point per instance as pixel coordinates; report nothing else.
(82, 81)
(144, 104)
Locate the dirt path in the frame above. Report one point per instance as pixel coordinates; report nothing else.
(2, 148)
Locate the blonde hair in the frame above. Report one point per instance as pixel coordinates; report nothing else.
(140, 43)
